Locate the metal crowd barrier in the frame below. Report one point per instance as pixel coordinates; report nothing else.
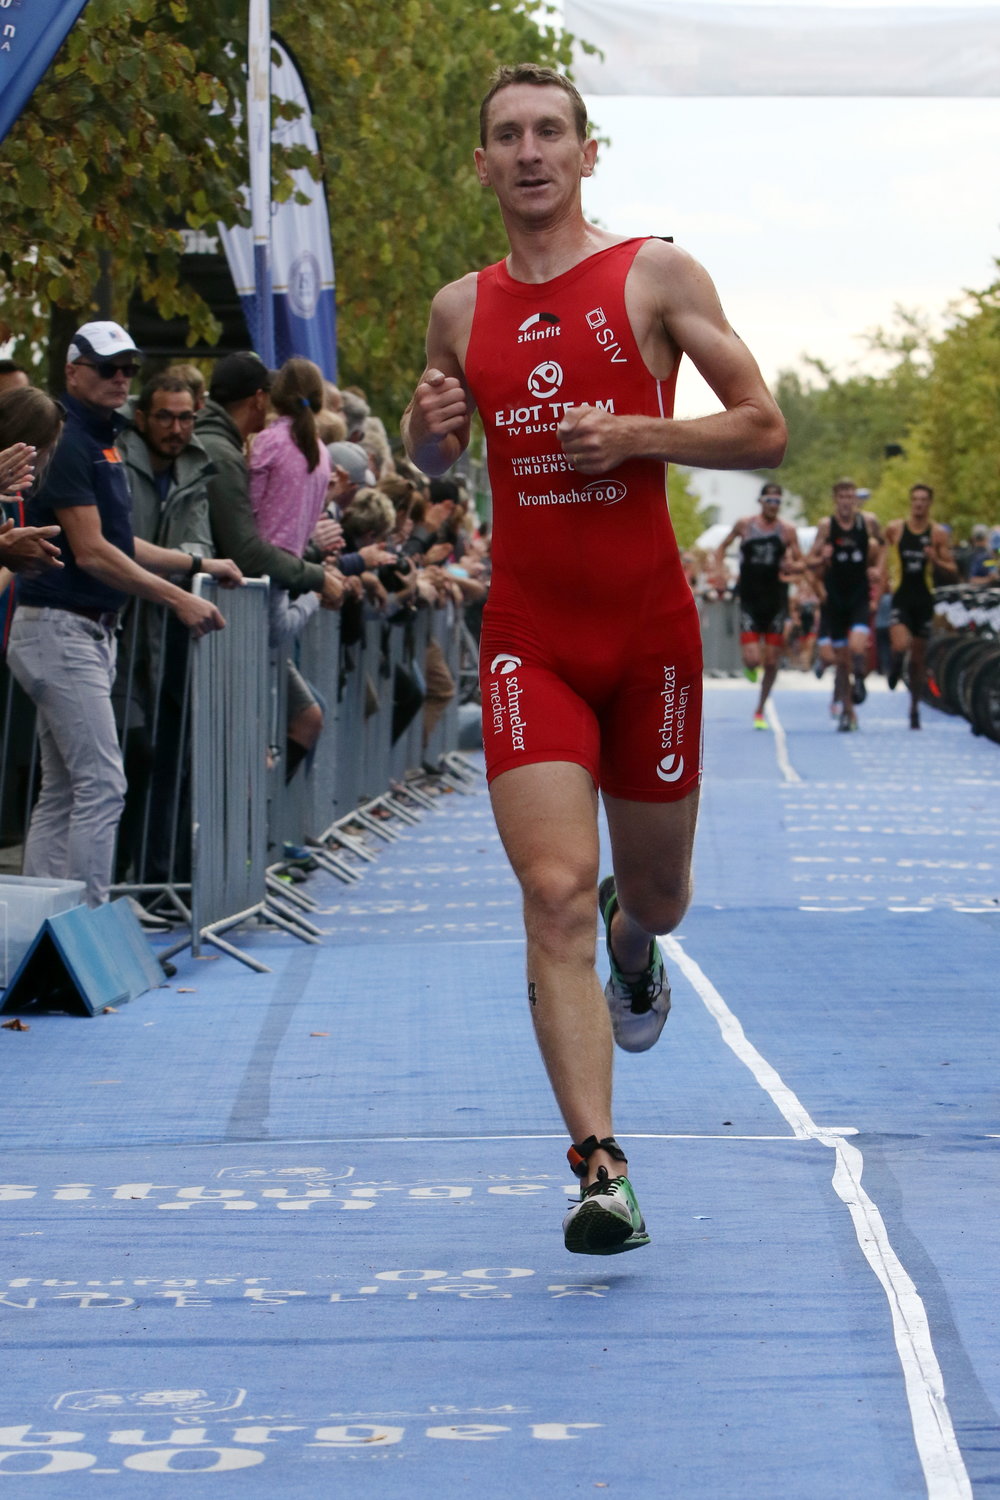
(720, 636)
(229, 732)
(202, 725)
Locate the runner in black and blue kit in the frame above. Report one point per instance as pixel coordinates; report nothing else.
(769, 553)
(915, 549)
(847, 545)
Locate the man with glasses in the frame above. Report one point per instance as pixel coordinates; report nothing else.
(62, 647)
(168, 471)
(167, 468)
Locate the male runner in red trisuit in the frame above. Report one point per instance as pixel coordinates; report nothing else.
(591, 661)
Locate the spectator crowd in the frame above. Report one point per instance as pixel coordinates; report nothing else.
(114, 497)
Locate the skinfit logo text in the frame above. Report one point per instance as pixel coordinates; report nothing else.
(541, 325)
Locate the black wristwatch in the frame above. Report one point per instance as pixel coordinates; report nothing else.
(195, 566)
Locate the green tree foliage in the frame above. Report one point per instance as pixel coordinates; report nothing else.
(953, 442)
(843, 427)
(689, 517)
(135, 129)
(131, 130)
(396, 91)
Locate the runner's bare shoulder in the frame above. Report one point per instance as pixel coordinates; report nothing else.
(451, 318)
(667, 266)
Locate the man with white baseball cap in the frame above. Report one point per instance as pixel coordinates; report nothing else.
(101, 341)
(62, 646)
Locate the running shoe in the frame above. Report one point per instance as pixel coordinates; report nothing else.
(895, 671)
(819, 667)
(298, 855)
(638, 1007)
(845, 723)
(759, 722)
(750, 673)
(607, 1219)
(858, 690)
(914, 718)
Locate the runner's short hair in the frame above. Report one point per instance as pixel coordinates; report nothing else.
(843, 484)
(925, 487)
(534, 73)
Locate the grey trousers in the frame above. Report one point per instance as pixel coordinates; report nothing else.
(66, 665)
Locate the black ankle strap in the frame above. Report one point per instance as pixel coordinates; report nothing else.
(578, 1156)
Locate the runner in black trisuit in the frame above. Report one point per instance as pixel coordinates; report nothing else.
(846, 548)
(915, 548)
(769, 554)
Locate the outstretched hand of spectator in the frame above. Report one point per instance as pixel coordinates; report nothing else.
(328, 535)
(225, 572)
(374, 588)
(332, 593)
(374, 555)
(198, 615)
(17, 468)
(27, 549)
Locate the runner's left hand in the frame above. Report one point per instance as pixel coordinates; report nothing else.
(592, 440)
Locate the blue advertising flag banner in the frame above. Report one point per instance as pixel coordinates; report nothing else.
(301, 258)
(31, 33)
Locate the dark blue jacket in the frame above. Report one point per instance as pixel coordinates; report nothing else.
(86, 469)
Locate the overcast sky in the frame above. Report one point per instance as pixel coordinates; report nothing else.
(815, 217)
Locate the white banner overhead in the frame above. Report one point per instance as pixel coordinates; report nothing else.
(657, 47)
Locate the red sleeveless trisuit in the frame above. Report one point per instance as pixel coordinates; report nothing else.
(591, 650)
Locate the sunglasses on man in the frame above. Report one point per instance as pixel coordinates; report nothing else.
(107, 369)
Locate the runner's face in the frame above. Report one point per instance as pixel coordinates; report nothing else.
(845, 501)
(533, 158)
(920, 505)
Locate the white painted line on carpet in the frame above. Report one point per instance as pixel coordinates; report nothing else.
(933, 1430)
(465, 1140)
(788, 771)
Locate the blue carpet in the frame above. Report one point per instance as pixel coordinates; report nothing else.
(297, 1234)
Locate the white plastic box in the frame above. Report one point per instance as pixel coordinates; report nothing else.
(25, 902)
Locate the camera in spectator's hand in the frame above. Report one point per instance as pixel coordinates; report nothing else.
(393, 576)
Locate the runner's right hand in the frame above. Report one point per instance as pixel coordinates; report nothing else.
(440, 403)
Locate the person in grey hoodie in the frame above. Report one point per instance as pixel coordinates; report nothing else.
(168, 472)
(236, 409)
(167, 467)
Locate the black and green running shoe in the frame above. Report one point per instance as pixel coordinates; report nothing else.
(607, 1219)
